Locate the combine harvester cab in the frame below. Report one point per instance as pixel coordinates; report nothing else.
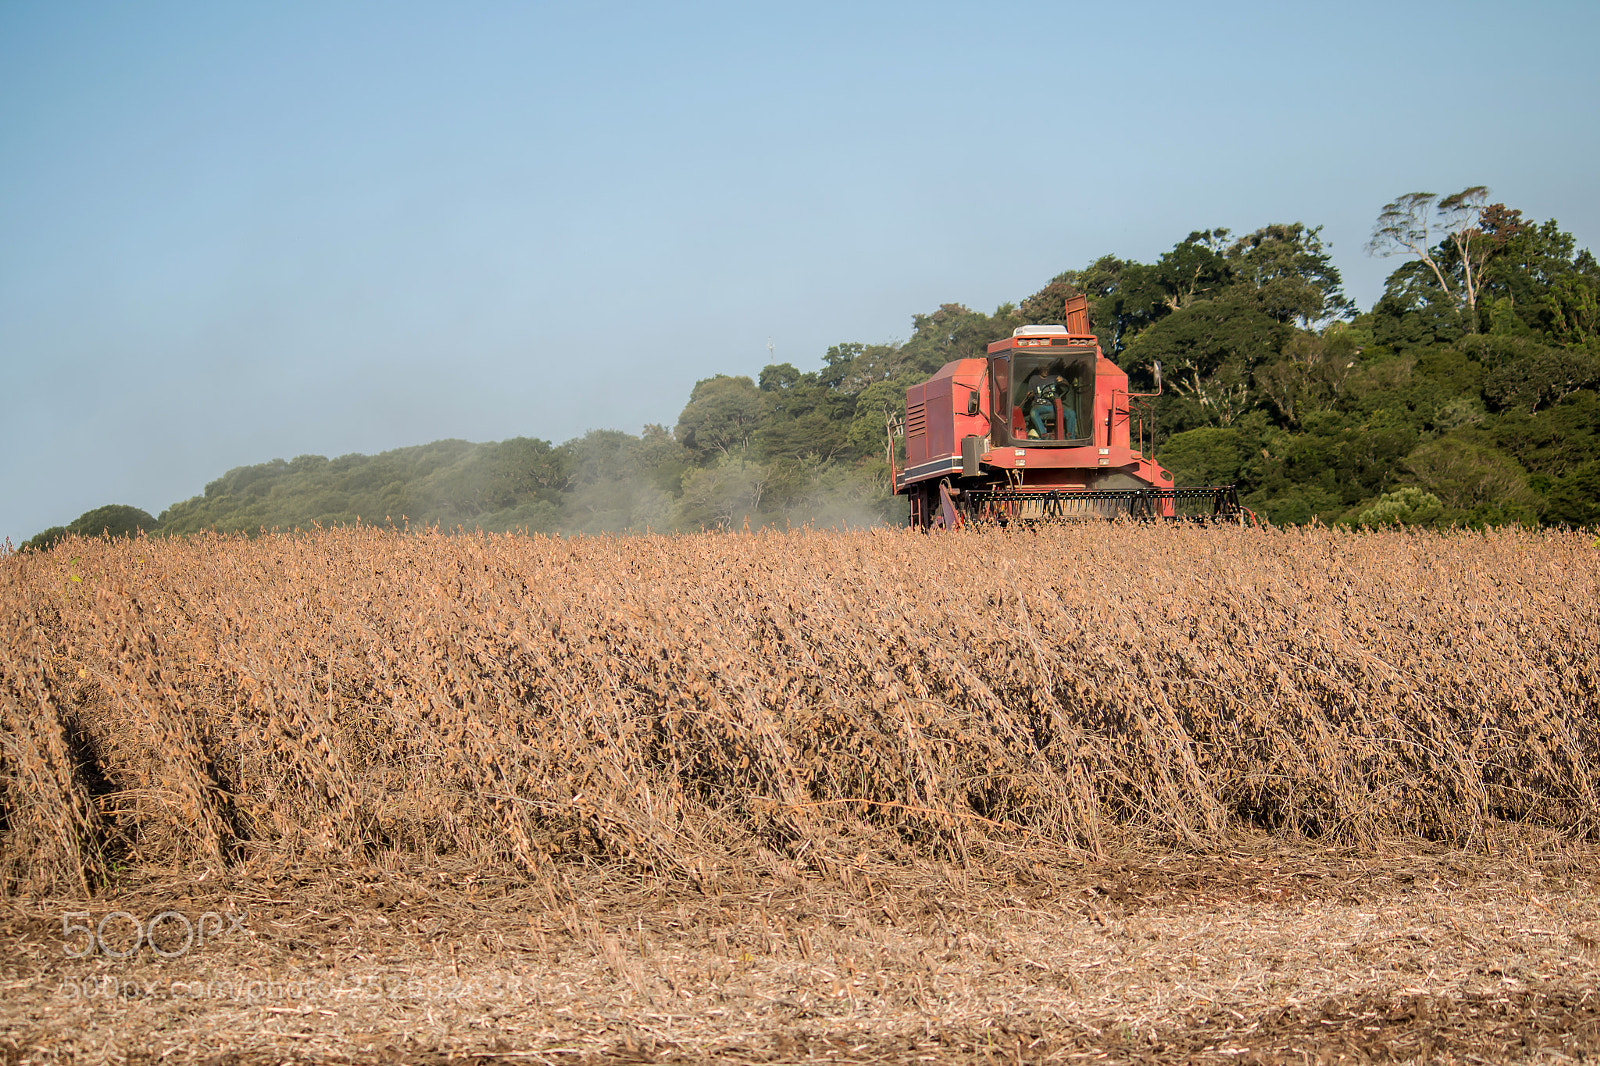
(1041, 429)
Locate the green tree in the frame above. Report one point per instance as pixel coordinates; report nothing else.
(1471, 477)
(1413, 311)
(115, 520)
(662, 458)
(1537, 282)
(1048, 305)
(953, 332)
(1407, 506)
(1311, 373)
(1538, 375)
(849, 368)
(45, 539)
(1209, 352)
(868, 433)
(1443, 234)
(1574, 500)
(1288, 274)
(1101, 282)
(725, 494)
(521, 469)
(723, 414)
(1209, 455)
(1197, 268)
(805, 415)
(1127, 297)
(830, 495)
(618, 482)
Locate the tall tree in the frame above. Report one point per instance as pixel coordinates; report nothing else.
(1444, 233)
(1536, 280)
(1128, 297)
(722, 414)
(1289, 275)
(806, 415)
(954, 332)
(1210, 351)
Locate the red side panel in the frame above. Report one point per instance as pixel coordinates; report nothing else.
(937, 418)
(1110, 405)
(916, 426)
(941, 416)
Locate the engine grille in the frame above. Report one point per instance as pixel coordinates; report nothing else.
(916, 420)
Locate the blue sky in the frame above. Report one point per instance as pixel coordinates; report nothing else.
(231, 233)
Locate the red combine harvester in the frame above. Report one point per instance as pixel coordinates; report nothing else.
(1043, 428)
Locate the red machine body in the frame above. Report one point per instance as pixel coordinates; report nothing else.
(1042, 427)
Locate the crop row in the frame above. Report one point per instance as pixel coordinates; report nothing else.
(687, 705)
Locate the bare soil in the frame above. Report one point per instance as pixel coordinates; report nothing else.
(1269, 953)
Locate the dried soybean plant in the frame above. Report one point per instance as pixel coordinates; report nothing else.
(692, 705)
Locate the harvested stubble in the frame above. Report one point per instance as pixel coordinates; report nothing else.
(691, 705)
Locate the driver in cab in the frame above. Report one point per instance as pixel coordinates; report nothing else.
(1043, 389)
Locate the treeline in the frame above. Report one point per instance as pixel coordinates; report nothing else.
(1468, 395)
